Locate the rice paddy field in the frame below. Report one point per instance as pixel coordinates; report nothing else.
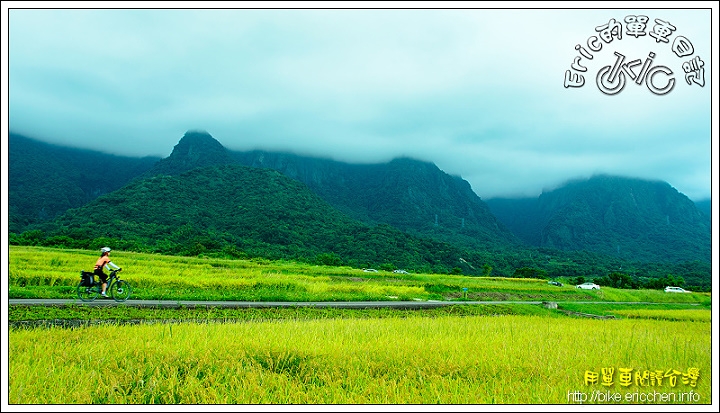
(651, 354)
(425, 360)
(37, 272)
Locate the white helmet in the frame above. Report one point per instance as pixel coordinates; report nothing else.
(105, 249)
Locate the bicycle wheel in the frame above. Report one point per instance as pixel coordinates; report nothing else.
(120, 290)
(86, 293)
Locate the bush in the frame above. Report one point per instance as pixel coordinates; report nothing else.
(330, 259)
(388, 267)
(526, 272)
(34, 237)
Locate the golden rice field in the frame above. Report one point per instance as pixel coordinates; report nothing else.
(40, 272)
(467, 357)
(677, 315)
(413, 360)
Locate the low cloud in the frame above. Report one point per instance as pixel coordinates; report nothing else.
(478, 92)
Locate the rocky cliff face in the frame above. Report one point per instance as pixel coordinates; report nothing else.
(406, 193)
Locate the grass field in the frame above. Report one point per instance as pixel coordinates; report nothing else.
(415, 359)
(465, 354)
(37, 272)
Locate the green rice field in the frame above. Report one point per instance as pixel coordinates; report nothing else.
(654, 353)
(426, 360)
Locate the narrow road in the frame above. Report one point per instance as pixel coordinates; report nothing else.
(275, 304)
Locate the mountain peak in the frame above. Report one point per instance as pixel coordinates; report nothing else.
(197, 143)
(195, 149)
(630, 218)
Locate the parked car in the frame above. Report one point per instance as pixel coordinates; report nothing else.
(400, 272)
(588, 286)
(675, 290)
(370, 270)
(558, 283)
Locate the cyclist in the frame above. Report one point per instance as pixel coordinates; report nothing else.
(104, 261)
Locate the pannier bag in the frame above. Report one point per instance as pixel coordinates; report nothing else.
(87, 279)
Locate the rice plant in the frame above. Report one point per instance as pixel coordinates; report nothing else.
(409, 360)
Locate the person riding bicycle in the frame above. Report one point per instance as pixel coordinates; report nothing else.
(104, 261)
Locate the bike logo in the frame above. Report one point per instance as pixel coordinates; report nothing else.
(659, 79)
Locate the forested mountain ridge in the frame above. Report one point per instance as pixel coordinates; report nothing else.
(45, 180)
(623, 217)
(244, 212)
(412, 196)
(705, 206)
(408, 194)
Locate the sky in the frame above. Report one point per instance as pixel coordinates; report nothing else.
(476, 88)
(480, 92)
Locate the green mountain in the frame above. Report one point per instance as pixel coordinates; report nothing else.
(242, 211)
(408, 194)
(196, 149)
(411, 195)
(46, 180)
(705, 206)
(622, 217)
(404, 213)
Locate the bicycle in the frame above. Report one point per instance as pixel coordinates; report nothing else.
(89, 289)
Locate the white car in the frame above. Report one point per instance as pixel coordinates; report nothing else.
(588, 286)
(675, 290)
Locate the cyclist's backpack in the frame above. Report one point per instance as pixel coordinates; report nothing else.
(88, 279)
